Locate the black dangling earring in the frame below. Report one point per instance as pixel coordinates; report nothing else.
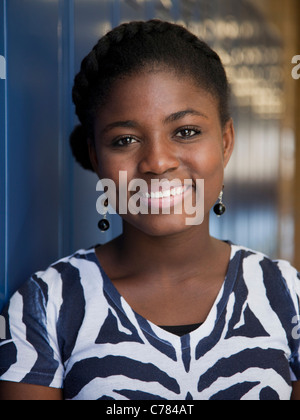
(104, 224)
(220, 208)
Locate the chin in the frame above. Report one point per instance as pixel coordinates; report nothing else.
(160, 225)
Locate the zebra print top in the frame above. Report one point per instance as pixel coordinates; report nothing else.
(68, 327)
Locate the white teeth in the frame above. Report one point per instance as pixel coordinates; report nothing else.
(167, 193)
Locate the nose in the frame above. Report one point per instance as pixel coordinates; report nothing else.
(158, 157)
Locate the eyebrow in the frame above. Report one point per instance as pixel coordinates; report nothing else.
(171, 118)
(181, 114)
(129, 124)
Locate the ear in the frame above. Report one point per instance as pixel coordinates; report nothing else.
(93, 156)
(228, 141)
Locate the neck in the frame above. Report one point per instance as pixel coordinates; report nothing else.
(192, 248)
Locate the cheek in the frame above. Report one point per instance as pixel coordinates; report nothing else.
(110, 166)
(207, 160)
(208, 164)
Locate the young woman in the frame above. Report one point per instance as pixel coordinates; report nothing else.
(165, 311)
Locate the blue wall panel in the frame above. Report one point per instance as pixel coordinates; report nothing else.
(66, 123)
(32, 124)
(3, 138)
(47, 202)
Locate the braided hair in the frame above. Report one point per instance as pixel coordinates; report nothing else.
(130, 48)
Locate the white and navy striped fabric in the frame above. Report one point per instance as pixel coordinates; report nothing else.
(68, 327)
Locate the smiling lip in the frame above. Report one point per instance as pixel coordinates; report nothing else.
(173, 192)
(165, 198)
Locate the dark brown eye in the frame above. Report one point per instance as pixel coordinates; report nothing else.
(125, 141)
(187, 133)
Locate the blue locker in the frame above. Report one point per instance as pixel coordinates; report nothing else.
(3, 148)
(29, 141)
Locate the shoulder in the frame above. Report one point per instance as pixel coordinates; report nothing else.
(276, 275)
(253, 259)
(68, 267)
(55, 300)
(65, 277)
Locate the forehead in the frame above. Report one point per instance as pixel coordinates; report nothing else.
(156, 92)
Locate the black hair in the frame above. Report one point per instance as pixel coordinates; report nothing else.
(130, 48)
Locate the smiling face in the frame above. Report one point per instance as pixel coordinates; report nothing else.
(158, 126)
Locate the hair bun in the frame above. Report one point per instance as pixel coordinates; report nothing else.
(79, 146)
